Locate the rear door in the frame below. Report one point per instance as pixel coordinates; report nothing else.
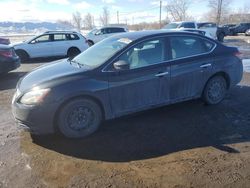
(139, 87)
(191, 66)
(60, 44)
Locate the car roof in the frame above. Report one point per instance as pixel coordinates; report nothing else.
(55, 32)
(150, 33)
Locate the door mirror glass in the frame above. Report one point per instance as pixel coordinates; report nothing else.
(121, 65)
(33, 42)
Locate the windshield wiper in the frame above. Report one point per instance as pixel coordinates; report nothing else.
(75, 62)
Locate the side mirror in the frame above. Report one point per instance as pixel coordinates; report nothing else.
(121, 65)
(33, 42)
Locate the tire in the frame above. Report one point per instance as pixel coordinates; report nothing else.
(79, 118)
(72, 52)
(24, 57)
(215, 90)
(221, 37)
(91, 43)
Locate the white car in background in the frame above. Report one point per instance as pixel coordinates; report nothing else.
(96, 35)
(52, 43)
(210, 29)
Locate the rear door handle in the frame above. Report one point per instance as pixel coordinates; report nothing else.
(162, 74)
(206, 65)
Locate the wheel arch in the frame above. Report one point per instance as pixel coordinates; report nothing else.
(73, 47)
(94, 99)
(23, 51)
(221, 73)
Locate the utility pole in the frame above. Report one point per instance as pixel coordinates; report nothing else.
(160, 13)
(219, 11)
(118, 17)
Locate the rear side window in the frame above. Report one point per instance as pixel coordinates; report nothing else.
(59, 37)
(185, 46)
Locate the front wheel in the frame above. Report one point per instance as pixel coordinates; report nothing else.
(215, 90)
(72, 52)
(221, 37)
(79, 118)
(24, 57)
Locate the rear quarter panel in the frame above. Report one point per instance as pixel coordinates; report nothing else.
(231, 66)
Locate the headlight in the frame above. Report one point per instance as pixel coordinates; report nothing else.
(34, 96)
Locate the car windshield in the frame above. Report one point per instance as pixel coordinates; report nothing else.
(101, 52)
(171, 26)
(93, 31)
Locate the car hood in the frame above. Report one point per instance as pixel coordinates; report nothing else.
(46, 73)
(16, 44)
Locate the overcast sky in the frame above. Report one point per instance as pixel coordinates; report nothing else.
(133, 11)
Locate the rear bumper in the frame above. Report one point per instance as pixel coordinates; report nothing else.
(9, 65)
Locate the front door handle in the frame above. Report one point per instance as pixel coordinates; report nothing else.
(206, 65)
(162, 74)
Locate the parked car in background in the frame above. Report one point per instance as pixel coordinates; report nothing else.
(123, 74)
(8, 59)
(217, 32)
(4, 41)
(96, 35)
(240, 28)
(52, 43)
(211, 29)
(248, 32)
(229, 25)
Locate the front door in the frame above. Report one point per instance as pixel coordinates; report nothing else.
(41, 46)
(139, 87)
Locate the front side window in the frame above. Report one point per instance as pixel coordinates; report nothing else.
(144, 54)
(43, 38)
(185, 46)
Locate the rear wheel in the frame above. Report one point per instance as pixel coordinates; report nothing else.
(215, 90)
(72, 52)
(24, 57)
(79, 118)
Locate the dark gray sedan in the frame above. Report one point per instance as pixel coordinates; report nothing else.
(124, 74)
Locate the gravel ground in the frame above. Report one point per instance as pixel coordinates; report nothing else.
(182, 145)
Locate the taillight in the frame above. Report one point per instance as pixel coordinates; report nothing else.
(238, 54)
(6, 53)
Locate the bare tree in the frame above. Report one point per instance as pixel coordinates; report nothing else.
(65, 23)
(105, 17)
(88, 21)
(177, 9)
(219, 10)
(77, 20)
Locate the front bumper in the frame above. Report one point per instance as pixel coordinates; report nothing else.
(38, 119)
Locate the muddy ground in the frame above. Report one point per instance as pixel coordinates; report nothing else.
(182, 145)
